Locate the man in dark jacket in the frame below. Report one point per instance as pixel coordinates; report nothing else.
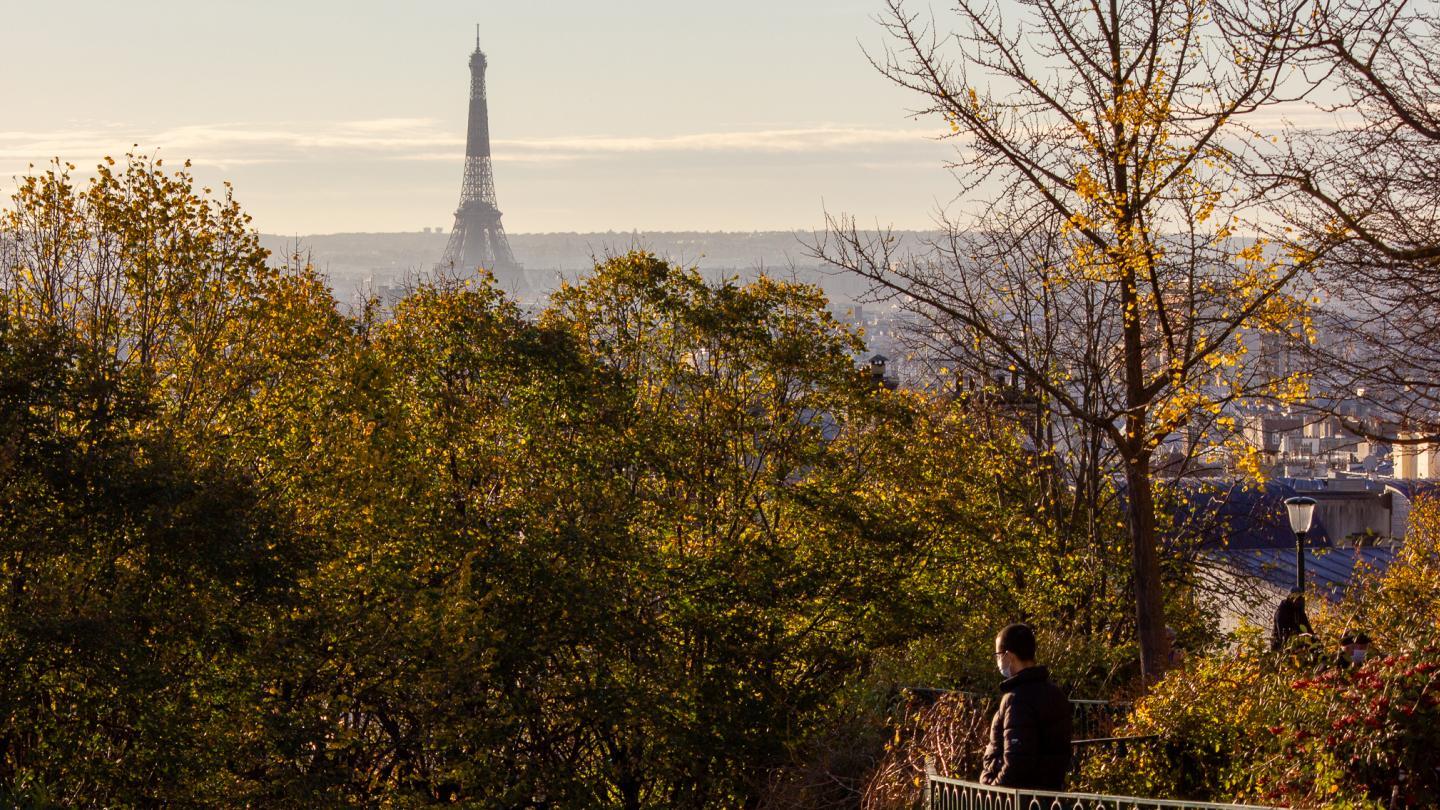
(1290, 620)
(1030, 733)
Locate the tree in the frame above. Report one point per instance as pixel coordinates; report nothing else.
(472, 585)
(766, 580)
(142, 569)
(644, 550)
(1360, 187)
(1103, 268)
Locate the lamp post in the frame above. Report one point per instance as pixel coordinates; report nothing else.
(1302, 512)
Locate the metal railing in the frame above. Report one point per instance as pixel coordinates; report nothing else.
(1097, 718)
(1083, 749)
(943, 793)
(1090, 718)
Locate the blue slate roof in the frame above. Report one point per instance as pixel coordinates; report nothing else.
(1415, 489)
(1244, 515)
(1327, 570)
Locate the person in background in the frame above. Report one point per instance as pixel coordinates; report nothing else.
(1354, 648)
(1176, 655)
(1290, 620)
(1030, 732)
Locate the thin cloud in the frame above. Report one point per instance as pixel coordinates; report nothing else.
(500, 156)
(224, 144)
(767, 141)
(418, 139)
(237, 143)
(393, 124)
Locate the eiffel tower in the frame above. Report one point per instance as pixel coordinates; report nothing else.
(478, 240)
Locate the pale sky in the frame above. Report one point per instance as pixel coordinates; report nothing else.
(350, 116)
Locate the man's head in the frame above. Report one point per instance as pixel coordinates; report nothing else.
(1015, 649)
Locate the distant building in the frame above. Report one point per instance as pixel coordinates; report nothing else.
(877, 367)
(1414, 461)
(1266, 431)
(1296, 445)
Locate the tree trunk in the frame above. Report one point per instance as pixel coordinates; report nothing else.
(1140, 501)
(1145, 567)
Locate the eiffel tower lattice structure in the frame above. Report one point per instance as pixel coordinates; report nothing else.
(478, 240)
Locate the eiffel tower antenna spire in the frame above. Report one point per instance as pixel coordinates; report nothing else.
(478, 240)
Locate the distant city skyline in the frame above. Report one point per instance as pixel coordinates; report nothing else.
(332, 117)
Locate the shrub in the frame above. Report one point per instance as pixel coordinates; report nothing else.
(1210, 719)
(950, 731)
(1371, 738)
(1297, 729)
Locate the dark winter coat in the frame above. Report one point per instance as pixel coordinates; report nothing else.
(1290, 622)
(1030, 734)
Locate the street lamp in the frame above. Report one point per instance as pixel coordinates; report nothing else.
(1302, 511)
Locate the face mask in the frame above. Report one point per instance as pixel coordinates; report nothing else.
(1004, 668)
(1357, 656)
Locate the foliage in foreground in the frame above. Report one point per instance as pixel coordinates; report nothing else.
(655, 548)
(1296, 728)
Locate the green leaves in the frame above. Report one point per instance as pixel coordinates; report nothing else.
(633, 552)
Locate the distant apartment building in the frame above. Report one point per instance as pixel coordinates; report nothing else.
(1357, 511)
(1414, 461)
(1308, 444)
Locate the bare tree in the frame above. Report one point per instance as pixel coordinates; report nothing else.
(1103, 144)
(1366, 182)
